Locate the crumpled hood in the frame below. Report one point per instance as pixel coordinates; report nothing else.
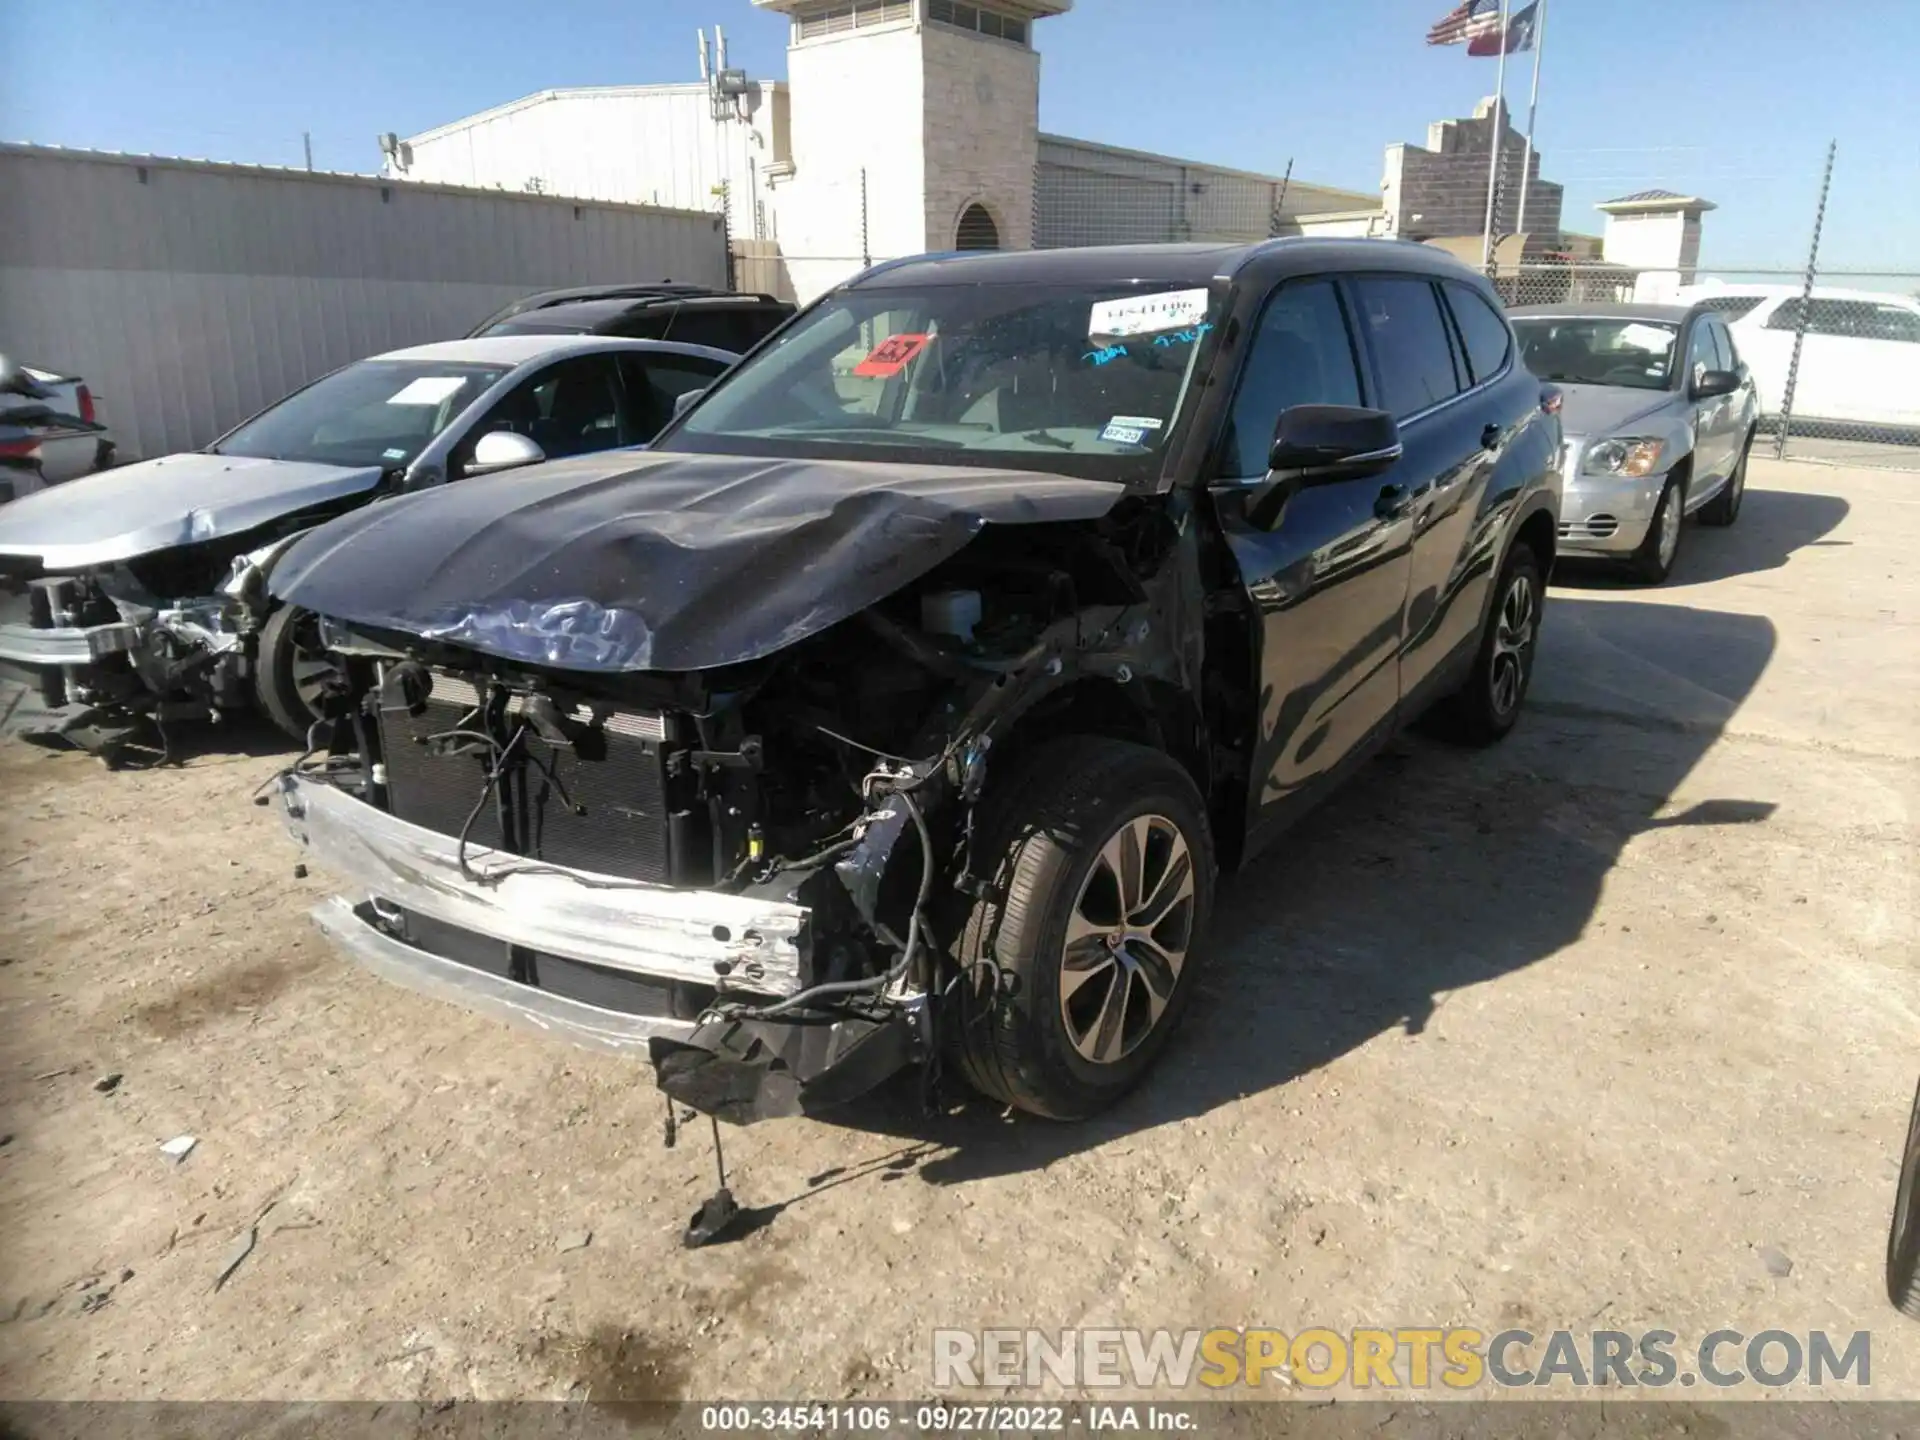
(1594, 412)
(638, 561)
(133, 510)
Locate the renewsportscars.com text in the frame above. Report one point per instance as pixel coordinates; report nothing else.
(1397, 1358)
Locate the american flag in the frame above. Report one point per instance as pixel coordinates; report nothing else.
(1466, 22)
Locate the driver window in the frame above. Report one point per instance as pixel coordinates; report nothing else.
(1302, 354)
(1700, 353)
(572, 408)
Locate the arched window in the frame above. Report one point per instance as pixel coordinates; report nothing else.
(977, 230)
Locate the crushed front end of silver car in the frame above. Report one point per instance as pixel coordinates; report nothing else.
(124, 605)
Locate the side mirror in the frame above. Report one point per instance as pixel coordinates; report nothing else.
(684, 400)
(1710, 383)
(503, 450)
(1321, 445)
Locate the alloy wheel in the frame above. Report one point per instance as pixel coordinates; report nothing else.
(1127, 939)
(1513, 631)
(1669, 527)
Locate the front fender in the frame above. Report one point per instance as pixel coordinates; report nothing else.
(246, 584)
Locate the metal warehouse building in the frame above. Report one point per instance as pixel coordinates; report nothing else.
(903, 126)
(191, 295)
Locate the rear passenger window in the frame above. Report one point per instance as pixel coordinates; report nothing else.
(716, 329)
(1483, 330)
(1302, 354)
(1409, 340)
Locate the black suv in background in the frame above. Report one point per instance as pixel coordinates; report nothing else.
(691, 314)
(902, 702)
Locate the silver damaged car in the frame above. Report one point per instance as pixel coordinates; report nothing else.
(138, 595)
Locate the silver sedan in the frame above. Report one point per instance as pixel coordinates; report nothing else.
(1658, 411)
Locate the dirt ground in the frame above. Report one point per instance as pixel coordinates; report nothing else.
(1561, 1034)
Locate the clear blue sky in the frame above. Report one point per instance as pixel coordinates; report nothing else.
(1731, 99)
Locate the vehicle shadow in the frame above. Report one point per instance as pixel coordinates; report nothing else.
(1772, 525)
(1436, 869)
(150, 746)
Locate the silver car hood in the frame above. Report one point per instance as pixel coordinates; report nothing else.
(176, 500)
(1594, 411)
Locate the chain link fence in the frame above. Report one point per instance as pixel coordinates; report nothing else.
(1836, 361)
(1835, 355)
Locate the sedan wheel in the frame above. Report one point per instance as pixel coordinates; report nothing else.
(1127, 939)
(1654, 559)
(293, 671)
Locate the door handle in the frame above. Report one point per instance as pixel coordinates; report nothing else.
(1490, 437)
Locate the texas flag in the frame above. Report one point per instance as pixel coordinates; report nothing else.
(1519, 34)
(1466, 24)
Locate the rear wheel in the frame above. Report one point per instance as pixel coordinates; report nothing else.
(292, 671)
(1487, 705)
(1653, 561)
(1081, 959)
(1724, 508)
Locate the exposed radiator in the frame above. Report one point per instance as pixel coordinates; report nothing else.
(599, 804)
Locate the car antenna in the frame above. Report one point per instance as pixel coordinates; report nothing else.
(720, 1211)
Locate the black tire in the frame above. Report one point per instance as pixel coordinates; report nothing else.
(1487, 704)
(1724, 508)
(1648, 565)
(289, 669)
(1045, 827)
(1903, 1240)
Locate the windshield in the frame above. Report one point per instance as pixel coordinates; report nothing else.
(378, 412)
(1084, 380)
(1634, 354)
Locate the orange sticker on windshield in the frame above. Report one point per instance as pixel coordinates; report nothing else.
(892, 355)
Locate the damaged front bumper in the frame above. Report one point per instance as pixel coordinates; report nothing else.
(66, 645)
(729, 942)
(179, 659)
(722, 1060)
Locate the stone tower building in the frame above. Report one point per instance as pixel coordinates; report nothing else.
(936, 102)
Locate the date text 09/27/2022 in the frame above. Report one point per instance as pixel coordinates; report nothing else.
(948, 1419)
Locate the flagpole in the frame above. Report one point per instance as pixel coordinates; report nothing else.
(1533, 104)
(1493, 150)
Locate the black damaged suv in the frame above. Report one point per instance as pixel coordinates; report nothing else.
(904, 700)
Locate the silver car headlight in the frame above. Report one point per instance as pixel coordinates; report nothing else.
(1627, 455)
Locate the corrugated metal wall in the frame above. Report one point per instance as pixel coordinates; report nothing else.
(1086, 193)
(652, 144)
(191, 295)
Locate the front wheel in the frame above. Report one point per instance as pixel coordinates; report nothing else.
(1080, 960)
(1653, 561)
(292, 670)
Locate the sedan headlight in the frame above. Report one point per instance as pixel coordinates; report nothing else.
(1633, 457)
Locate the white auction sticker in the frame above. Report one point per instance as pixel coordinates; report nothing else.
(1649, 337)
(427, 390)
(1136, 422)
(1145, 314)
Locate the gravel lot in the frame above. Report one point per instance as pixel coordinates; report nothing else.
(1560, 1034)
